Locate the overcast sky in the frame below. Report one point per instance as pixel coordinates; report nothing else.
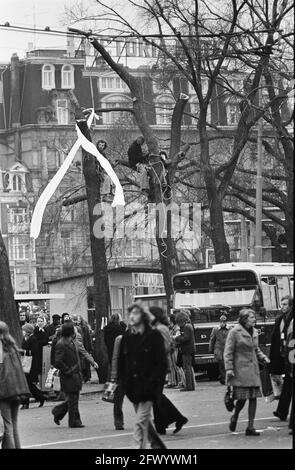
(27, 13)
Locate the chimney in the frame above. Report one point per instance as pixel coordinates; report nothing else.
(70, 45)
(15, 91)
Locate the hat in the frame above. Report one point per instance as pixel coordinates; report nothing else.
(223, 318)
(28, 328)
(56, 315)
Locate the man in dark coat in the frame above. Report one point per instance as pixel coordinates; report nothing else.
(135, 153)
(186, 340)
(67, 360)
(217, 345)
(277, 356)
(51, 329)
(142, 368)
(30, 349)
(114, 328)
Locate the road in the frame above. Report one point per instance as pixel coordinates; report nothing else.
(207, 427)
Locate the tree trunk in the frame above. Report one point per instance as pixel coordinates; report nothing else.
(8, 309)
(220, 245)
(91, 171)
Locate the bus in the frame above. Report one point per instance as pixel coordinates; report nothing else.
(152, 300)
(227, 288)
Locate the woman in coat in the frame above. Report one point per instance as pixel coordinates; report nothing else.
(165, 413)
(42, 337)
(241, 357)
(30, 349)
(186, 340)
(13, 388)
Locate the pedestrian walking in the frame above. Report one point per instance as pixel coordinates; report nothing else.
(217, 344)
(13, 388)
(119, 392)
(241, 357)
(174, 376)
(277, 355)
(142, 368)
(114, 328)
(165, 413)
(30, 349)
(67, 360)
(186, 340)
(42, 337)
(88, 345)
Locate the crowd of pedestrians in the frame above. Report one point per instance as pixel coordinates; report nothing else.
(149, 352)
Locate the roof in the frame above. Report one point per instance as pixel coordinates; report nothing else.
(120, 269)
(28, 297)
(259, 268)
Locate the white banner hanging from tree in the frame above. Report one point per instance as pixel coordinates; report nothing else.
(50, 189)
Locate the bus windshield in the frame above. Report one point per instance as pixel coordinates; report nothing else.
(214, 299)
(215, 289)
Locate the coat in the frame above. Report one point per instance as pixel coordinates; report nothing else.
(277, 363)
(67, 360)
(186, 339)
(164, 330)
(217, 342)
(42, 337)
(30, 348)
(142, 365)
(110, 333)
(241, 355)
(13, 383)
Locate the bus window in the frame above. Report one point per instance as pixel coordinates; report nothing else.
(269, 293)
(283, 287)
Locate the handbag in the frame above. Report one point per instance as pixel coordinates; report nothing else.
(27, 363)
(265, 381)
(277, 382)
(229, 399)
(109, 392)
(56, 381)
(50, 377)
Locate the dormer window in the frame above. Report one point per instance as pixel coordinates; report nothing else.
(67, 76)
(48, 77)
(15, 179)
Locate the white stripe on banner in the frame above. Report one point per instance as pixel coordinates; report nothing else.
(50, 189)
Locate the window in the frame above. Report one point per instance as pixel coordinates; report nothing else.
(161, 87)
(19, 247)
(16, 183)
(15, 178)
(48, 77)
(133, 248)
(67, 76)
(18, 216)
(66, 245)
(112, 84)
(164, 109)
(204, 82)
(62, 112)
(232, 114)
(195, 111)
(113, 117)
(236, 84)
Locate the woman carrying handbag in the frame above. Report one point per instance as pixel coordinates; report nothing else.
(241, 357)
(13, 388)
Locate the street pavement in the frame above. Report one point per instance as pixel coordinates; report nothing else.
(207, 427)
